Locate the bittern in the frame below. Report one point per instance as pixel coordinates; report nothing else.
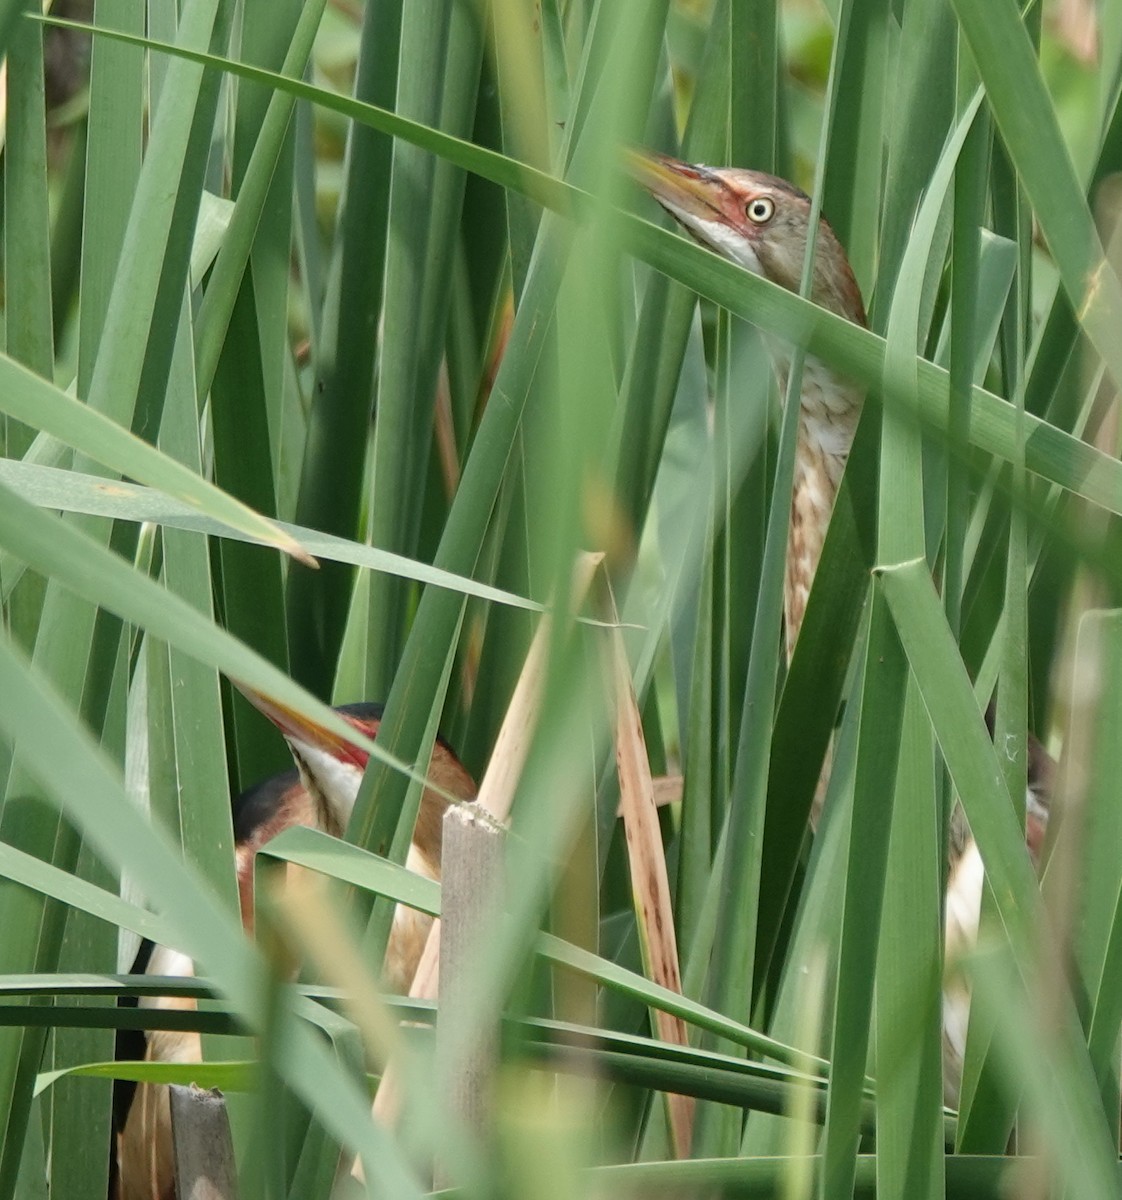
(964, 902)
(320, 793)
(761, 222)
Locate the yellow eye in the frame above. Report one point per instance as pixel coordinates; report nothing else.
(760, 210)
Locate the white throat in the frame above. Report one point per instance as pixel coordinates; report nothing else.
(332, 784)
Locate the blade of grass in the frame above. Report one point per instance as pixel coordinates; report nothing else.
(976, 773)
(667, 311)
(72, 491)
(1099, 934)
(152, 269)
(908, 1024)
(1026, 118)
(918, 119)
(339, 420)
(1081, 1154)
(987, 1114)
(811, 944)
(878, 748)
(27, 273)
(441, 51)
(966, 747)
(910, 1124)
(250, 580)
(46, 407)
(185, 715)
(252, 194)
(967, 1178)
(851, 147)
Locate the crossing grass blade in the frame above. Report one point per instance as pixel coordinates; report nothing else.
(73, 491)
(48, 408)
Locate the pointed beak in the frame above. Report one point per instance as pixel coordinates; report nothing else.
(685, 189)
(296, 727)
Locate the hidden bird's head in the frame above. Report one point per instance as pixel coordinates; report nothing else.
(757, 220)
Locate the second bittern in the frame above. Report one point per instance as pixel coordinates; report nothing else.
(320, 793)
(762, 223)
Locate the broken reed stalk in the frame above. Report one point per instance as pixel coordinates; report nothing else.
(471, 867)
(203, 1148)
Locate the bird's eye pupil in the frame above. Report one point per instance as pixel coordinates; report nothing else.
(760, 210)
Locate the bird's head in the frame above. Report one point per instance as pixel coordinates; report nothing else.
(331, 766)
(757, 220)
